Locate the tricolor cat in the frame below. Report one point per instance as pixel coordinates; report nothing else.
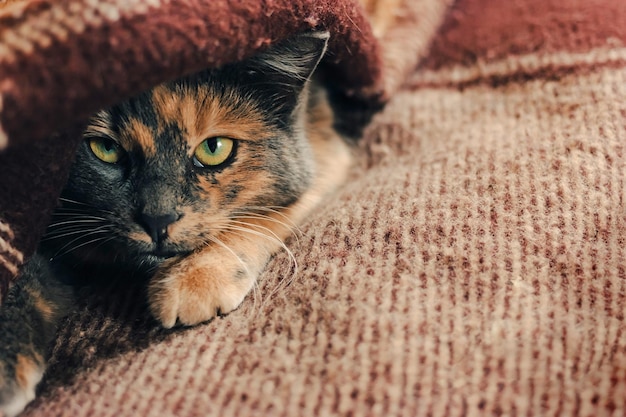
(194, 184)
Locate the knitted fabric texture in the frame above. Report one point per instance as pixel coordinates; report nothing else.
(473, 265)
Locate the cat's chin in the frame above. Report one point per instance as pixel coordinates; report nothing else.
(158, 257)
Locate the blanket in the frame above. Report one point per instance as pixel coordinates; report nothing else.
(473, 265)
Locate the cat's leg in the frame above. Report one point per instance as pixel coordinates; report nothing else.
(216, 279)
(29, 318)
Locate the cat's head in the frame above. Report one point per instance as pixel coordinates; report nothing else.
(166, 172)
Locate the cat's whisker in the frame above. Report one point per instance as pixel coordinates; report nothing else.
(272, 209)
(80, 203)
(263, 217)
(271, 238)
(292, 258)
(258, 226)
(253, 215)
(69, 200)
(72, 210)
(254, 210)
(225, 246)
(244, 229)
(287, 224)
(78, 221)
(61, 217)
(283, 283)
(110, 238)
(257, 298)
(238, 231)
(234, 231)
(51, 231)
(72, 249)
(101, 229)
(243, 264)
(85, 222)
(273, 96)
(61, 234)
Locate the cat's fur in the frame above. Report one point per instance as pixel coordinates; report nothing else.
(202, 234)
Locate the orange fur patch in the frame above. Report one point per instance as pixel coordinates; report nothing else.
(184, 229)
(26, 371)
(135, 133)
(45, 308)
(100, 126)
(165, 103)
(202, 115)
(140, 237)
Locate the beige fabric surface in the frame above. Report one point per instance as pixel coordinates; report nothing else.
(474, 265)
(477, 266)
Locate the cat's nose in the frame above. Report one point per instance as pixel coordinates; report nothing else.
(156, 226)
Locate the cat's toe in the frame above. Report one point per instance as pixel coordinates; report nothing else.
(174, 302)
(17, 387)
(189, 293)
(164, 301)
(197, 308)
(14, 400)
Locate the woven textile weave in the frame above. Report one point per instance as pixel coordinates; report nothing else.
(473, 265)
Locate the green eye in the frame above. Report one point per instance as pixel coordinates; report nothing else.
(106, 150)
(213, 152)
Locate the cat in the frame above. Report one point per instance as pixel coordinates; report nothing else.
(194, 184)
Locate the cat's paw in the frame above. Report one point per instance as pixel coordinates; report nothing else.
(18, 379)
(199, 287)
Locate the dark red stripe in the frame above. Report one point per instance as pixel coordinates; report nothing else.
(553, 72)
(492, 30)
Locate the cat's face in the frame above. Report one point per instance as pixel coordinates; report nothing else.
(170, 170)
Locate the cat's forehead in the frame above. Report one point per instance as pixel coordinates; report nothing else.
(184, 113)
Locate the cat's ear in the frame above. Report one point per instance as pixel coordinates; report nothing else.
(282, 71)
(293, 60)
